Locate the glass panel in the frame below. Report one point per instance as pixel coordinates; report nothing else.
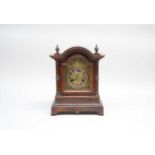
(77, 73)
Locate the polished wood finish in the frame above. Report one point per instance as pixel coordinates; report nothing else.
(77, 101)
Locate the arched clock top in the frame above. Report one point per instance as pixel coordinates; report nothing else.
(77, 50)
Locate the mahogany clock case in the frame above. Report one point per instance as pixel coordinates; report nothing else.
(77, 96)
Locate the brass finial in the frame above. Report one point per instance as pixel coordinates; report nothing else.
(57, 49)
(96, 49)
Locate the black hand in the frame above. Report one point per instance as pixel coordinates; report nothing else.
(77, 75)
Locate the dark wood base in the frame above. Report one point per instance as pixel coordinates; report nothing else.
(78, 108)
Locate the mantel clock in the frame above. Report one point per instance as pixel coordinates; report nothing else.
(77, 80)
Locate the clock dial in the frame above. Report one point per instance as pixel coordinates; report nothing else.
(77, 78)
(77, 73)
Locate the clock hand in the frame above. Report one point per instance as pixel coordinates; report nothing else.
(77, 74)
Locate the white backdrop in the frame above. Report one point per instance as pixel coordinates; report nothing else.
(127, 88)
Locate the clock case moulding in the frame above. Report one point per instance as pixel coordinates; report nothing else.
(77, 101)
